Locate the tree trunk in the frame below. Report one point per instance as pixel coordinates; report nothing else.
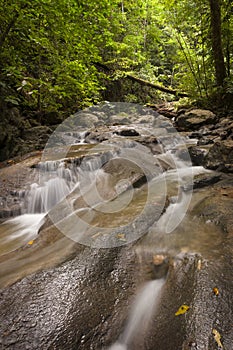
(8, 29)
(215, 14)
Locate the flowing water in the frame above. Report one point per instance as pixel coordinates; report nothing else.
(141, 313)
(80, 173)
(18, 231)
(69, 177)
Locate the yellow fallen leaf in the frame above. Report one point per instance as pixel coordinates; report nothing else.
(182, 310)
(216, 291)
(217, 337)
(199, 264)
(158, 259)
(31, 242)
(121, 237)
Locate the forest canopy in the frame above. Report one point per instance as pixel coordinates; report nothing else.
(51, 51)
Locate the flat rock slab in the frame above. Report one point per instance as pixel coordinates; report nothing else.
(79, 304)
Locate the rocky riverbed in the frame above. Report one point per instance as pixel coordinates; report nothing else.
(60, 294)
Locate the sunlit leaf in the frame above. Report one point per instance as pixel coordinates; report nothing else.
(31, 242)
(217, 337)
(216, 291)
(182, 310)
(199, 264)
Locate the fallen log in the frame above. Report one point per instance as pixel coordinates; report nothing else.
(156, 86)
(144, 82)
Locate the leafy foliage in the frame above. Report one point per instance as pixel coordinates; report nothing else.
(49, 49)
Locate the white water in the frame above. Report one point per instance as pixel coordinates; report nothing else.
(57, 179)
(18, 231)
(177, 209)
(141, 313)
(42, 198)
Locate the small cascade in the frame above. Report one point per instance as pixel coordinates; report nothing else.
(80, 137)
(73, 138)
(56, 182)
(91, 164)
(142, 311)
(173, 215)
(58, 178)
(42, 198)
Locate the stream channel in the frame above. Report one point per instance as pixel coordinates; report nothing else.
(111, 179)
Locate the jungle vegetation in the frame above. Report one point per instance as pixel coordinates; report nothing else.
(64, 55)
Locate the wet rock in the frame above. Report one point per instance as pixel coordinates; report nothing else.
(83, 314)
(123, 169)
(153, 266)
(206, 310)
(203, 180)
(204, 141)
(98, 136)
(195, 119)
(120, 119)
(127, 132)
(36, 132)
(152, 143)
(217, 207)
(197, 155)
(168, 113)
(146, 119)
(195, 135)
(85, 120)
(8, 208)
(51, 118)
(14, 177)
(220, 156)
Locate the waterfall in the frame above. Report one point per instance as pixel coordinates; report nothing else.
(56, 182)
(42, 198)
(141, 313)
(59, 177)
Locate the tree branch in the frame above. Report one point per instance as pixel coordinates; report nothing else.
(156, 86)
(144, 82)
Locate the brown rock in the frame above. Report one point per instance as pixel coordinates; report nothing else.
(220, 156)
(195, 119)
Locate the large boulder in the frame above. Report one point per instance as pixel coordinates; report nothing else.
(220, 156)
(197, 155)
(195, 119)
(86, 120)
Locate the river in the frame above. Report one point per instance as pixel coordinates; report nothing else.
(108, 187)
